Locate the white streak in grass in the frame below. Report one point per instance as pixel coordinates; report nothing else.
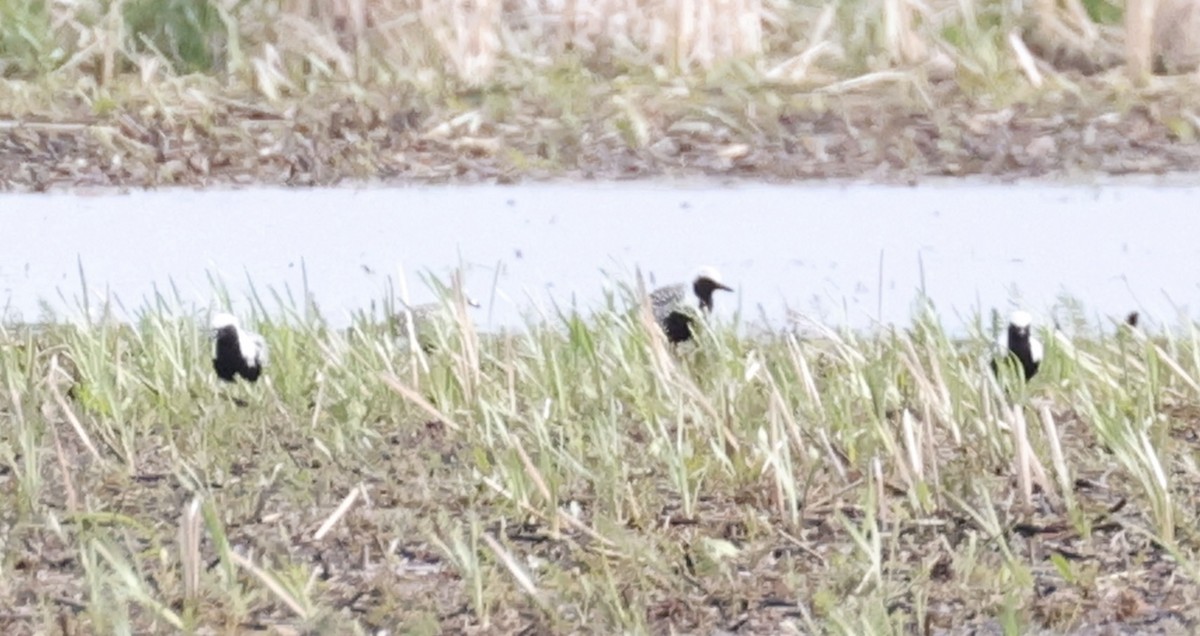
(532, 472)
(1056, 455)
(421, 402)
(65, 468)
(914, 449)
(1025, 58)
(189, 548)
(561, 514)
(135, 586)
(834, 459)
(515, 568)
(1021, 447)
(340, 512)
(70, 415)
(880, 495)
(1170, 362)
(269, 580)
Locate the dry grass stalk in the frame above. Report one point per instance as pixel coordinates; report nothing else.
(797, 68)
(686, 34)
(189, 549)
(468, 362)
(340, 512)
(1057, 459)
(468, 33)
(419, 401)
(1025, 58)
(703, 32)
(1139, 33)
(1066, 37)
(1023, 458)
(904, 45)
(1176, 35)
(69, 414)
(272, 584)
(519, 574)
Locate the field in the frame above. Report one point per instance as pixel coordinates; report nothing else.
(145, 93)
(581, 475)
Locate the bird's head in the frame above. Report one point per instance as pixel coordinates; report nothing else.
(708, 280)
(708, 275)
(1019, 323)
(222, 321)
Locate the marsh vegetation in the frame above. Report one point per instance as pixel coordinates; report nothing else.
(582, 475)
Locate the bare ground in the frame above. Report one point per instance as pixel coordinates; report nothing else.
(379, 571)
(890, 132)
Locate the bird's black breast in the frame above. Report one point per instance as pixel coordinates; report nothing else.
(228, 361)
(226, 369)
(1021, 352)
(250, 372)
(678, 327)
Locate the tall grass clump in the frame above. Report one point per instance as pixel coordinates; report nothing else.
(579, 472)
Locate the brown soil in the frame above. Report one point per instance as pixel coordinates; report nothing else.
(892, 133)
(1122, 581)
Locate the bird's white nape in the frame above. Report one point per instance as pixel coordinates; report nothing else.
(1035, 349)
(254, 347)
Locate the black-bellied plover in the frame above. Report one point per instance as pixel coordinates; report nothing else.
(672, 308)
(423, 317)
(1018, 342)
(236, 351)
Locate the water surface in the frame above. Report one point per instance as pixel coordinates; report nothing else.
(850, 255)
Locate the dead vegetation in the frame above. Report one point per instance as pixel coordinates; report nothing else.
(195, 92)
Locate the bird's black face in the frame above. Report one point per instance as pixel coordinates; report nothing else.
(224, 333)
(704, 288)
(1019, 339)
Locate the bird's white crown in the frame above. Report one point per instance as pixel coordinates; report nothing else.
(223, 319)
(711, 273)
(1020, 319)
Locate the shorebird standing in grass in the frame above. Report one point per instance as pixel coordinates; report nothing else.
(672, 309)
(423, 317)
(1017, 342)
(236, 352)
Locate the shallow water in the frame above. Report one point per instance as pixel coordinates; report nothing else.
(844, 254)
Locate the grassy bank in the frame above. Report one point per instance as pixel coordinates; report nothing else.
(198, 92)
(581, 476)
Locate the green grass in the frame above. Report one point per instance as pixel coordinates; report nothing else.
(579, 475)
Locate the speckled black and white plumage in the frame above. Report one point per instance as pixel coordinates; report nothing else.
(1017, 342)
(423, 316)
(236, 352)
(672, 306)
